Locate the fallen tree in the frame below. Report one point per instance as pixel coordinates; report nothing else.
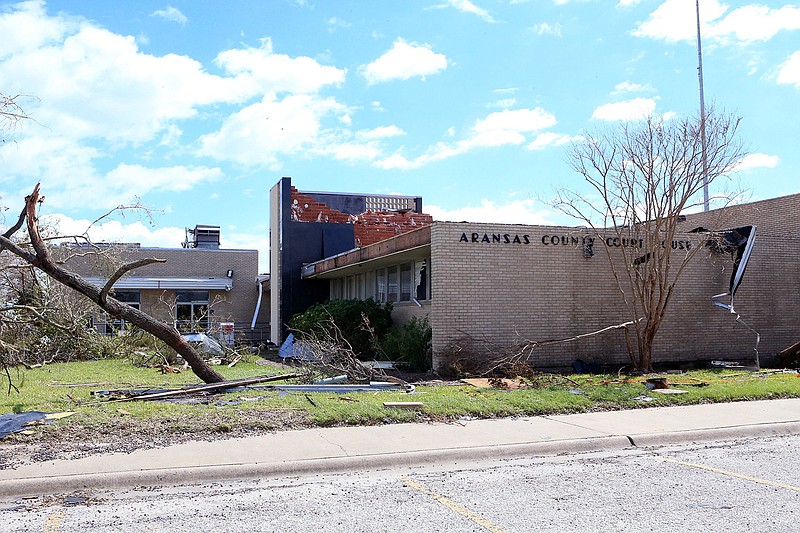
(37, 254)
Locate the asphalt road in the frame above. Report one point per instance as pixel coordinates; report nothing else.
(745, 485)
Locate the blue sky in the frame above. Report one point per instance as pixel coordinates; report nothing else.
(197, 110)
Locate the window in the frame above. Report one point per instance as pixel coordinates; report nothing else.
(380, 285)
(118, 326)
(405, 282)
(392, 284)
(421, 280)
(191, 311)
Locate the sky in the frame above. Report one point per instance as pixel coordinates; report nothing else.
(195, 111)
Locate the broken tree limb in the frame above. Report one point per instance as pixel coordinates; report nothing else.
(484, 351)
(121, 271)
(42, 259)
(204, 388)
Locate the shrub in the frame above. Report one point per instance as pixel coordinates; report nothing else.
(410, 344)
(349, 316)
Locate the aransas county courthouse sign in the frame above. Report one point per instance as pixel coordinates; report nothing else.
(563, 240)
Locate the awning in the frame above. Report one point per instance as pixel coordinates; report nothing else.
(133, 282)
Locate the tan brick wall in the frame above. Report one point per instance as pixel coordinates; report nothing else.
(499, 290)
(238, 304)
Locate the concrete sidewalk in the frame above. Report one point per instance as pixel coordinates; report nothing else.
(327, 450)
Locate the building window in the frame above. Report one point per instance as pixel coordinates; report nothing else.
(405, 282)
(380, 285)
(118, 326)
(191, 311)
(392, 284)
(422, 276)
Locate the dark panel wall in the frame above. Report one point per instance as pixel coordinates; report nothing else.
(306, 242)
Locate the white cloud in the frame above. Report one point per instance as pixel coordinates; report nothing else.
(629, 87)
(496, 129)
(259, 133)
(381, 132)
(757, 22)
(789, 71)
(758, 160)
(265, 71)
(112, 230)
(546, 29)
(503, 103)
(404, 61)
(28, 28)
(466, 6)
(96, 84)
(548, 139)
(335, 23)
(676, 20)
(628, 110)
(526, 211)
(172, 14)
(69, 177)
(116, 229)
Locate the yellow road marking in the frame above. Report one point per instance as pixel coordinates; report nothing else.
(453, 506)
(54, 522)
(734, 474)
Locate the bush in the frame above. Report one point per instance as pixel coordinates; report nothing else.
(410, 344)
(349, 316)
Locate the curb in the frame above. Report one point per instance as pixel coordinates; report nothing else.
(329, 465)
(420, 458)
(704, 435)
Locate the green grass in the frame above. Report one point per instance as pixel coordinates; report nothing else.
(69, 386)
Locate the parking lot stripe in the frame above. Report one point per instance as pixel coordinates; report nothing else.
(450, 504)
(733, 474)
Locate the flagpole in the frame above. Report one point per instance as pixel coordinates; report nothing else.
(702, 110)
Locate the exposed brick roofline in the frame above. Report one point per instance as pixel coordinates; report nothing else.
(369, 227)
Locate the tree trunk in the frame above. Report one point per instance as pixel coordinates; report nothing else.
(44, 261)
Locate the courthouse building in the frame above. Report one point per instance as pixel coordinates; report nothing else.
(497, 283)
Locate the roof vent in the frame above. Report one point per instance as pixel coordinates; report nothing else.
(202, 236)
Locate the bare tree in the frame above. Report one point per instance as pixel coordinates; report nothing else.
(11, 114)
(642, 177)
(36, 253)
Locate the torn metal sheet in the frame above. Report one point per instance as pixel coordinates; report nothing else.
(204, 343)
(741, 240)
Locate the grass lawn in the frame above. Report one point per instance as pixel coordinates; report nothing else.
(69, 386)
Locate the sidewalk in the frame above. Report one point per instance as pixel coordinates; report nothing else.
(328, 450)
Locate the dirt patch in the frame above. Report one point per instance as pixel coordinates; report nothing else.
(128, 434)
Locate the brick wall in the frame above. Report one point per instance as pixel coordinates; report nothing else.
(237, 305)
(534, 282)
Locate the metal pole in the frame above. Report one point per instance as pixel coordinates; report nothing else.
(702, 110)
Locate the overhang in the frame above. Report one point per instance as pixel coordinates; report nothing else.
(167, 283)
(412, 246)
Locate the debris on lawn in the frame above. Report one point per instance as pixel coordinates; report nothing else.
(239, 385)
(151, 394)
(404, 405)
(22, 422)
(656, 383)
(332, 381)
(671, 391)
(205, 343)
(496, 383)
(643, 398)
